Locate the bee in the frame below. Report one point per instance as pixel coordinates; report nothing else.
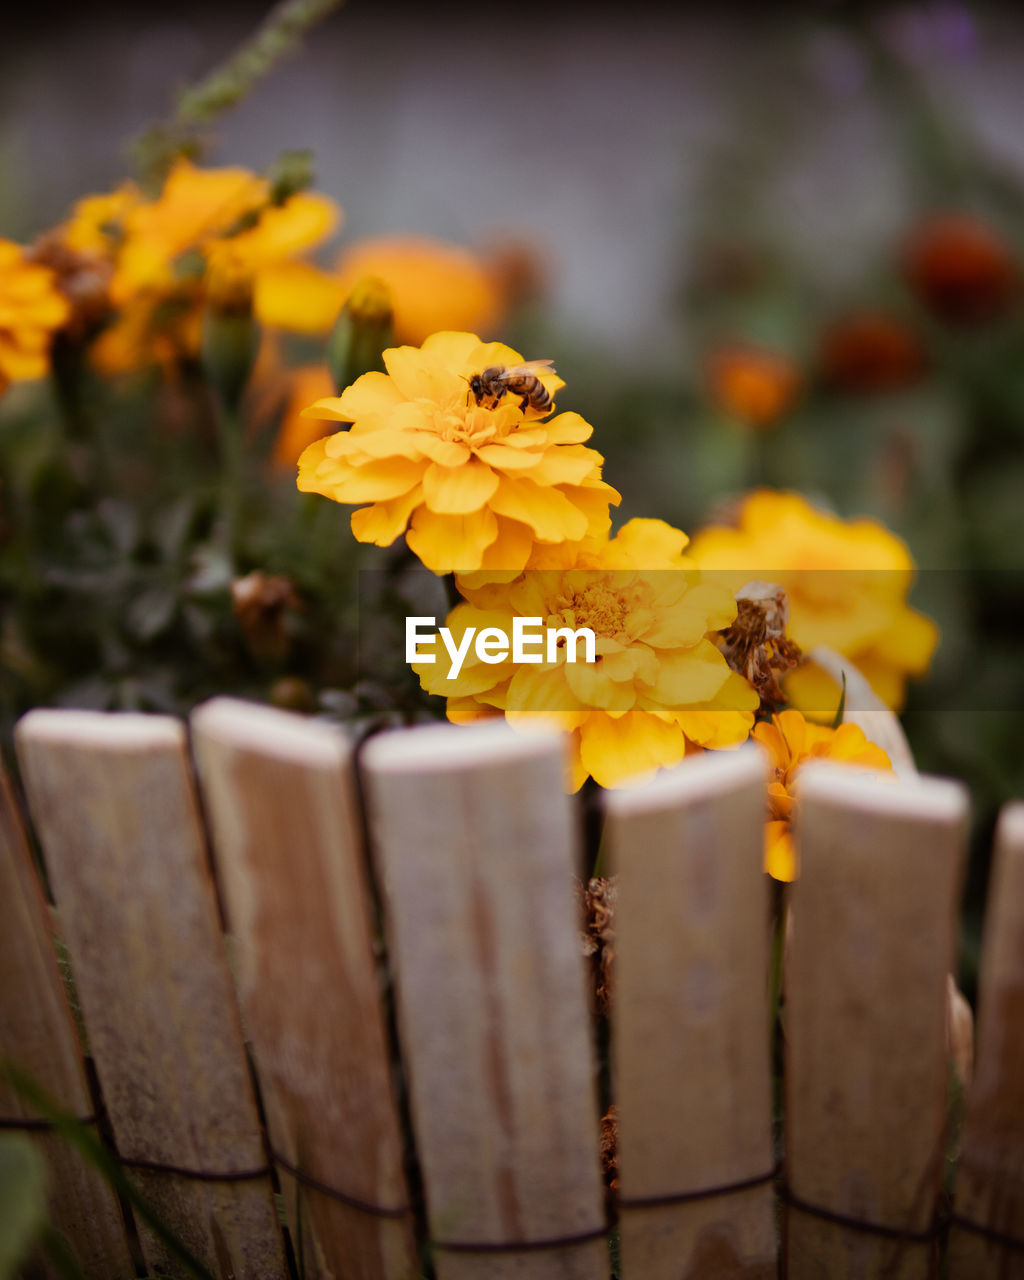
(521, 380)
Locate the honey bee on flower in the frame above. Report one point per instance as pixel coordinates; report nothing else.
(472, 486)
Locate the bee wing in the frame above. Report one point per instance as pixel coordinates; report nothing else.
(536, 367)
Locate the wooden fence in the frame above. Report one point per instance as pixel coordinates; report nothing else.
(350, 994)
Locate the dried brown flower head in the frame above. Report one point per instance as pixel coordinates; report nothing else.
(597, 898)
(261, 603)
(756, 645)
(83, 279)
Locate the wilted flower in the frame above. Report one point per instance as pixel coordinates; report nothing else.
(847, 585)
(31, 309)
(658, 688)
(434, 285)
(752, 384)
(869, 352)
(474, 486)
(961, 268)
(756, 644)
(790, 742)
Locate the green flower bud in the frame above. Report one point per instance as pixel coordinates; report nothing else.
(361, 333)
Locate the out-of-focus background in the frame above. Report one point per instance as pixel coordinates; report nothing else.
(764, 245)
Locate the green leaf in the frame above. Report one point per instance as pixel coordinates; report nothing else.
(22, 1200)
(841, 709)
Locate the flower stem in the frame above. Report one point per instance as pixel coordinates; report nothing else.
(229, 427)
(227, 84)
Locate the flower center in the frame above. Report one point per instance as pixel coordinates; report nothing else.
(473, 425)
(594, 605)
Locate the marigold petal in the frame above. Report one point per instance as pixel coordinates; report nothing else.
(627, 748)
(594, 687)
(542, 688)
(779, 851)
(297, 296)
(448, 543)
(383, 522)
(506, 458)
(417, 378)
(547, 511)
(649, 544)
(510, 550)
(376, 481)
(568, 428)
(458, 490)
(329, 407)
(689, 676)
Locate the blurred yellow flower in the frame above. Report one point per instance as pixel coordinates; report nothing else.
(847, 584)
(211, 234)
(31, 309)
(475, 486)
(658, 688)
(791, 741)
(434, 285)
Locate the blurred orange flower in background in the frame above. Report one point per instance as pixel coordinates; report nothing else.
(31, 310)
(790, 742)
(868, 352)
(961, 268)
(434, 285)
(753, 384)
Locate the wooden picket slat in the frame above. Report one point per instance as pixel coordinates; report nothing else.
(475, 843)
(37, 1035)
(990, 1174)
(112, 800)
(874, 924)
(280, 796)
(690, 1020)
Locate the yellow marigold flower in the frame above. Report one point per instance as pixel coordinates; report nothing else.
(847, 583)
(791, 741)
(31, 309)
(96, 225)
(211, 234)
(474, 486)
(434, 285)
(658, 689)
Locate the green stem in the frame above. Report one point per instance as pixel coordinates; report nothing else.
(232, 458)
(228, 84)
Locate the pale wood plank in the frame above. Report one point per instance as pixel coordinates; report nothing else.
(38, 1036)
(475, 842)
(874, 926)
(280, 796)
(690, 1019)
(990, 1175)
(112, 799)
(866, 709)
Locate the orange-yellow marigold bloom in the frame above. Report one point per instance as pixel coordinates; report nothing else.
(31, 309)
(434, 285)
(847, 584)
(658, 687)
(471, 487)
(790, 741)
